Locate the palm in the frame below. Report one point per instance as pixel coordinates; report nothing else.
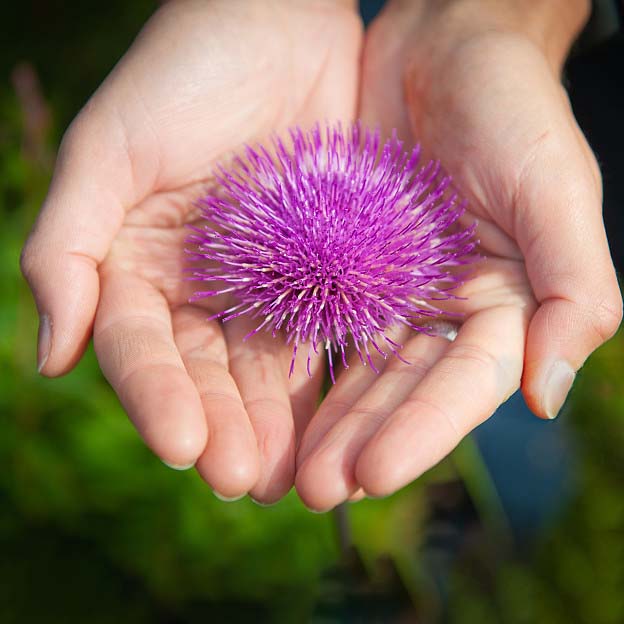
(244, 76)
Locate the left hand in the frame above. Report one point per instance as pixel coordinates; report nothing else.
(481, 90)
(106, 256)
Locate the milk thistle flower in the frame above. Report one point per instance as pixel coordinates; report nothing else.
(332, 238)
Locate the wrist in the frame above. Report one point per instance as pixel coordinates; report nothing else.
(551, 25)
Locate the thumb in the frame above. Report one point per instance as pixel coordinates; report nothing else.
(560, 230)
(80, 216)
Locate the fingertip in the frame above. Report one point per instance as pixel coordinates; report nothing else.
(270, 491)
(312, 503)
(233, 476)
(227, 499)
(550, 388)
(385, 466)
(276, 447)
(562, 334)
(44, 342)
(268, 496)
(230, 463)
(321, 485)
(66, 299)
(63, 354)
(357, 496)
(167, 412)
(307, 490)
(183, 447)
(532, 399)
(179, 467)
(375, 482)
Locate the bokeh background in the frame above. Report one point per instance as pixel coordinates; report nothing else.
(524, 523)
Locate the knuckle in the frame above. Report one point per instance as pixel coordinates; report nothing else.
(607, 316)
(374, 416)
(414, 405)
(204, 373)
(77, 132)
(92, 132)
(333, 409)
(474, 354)
(499, 375)
(127, 345)
(409, 373)
(29, 262)
(271, 412)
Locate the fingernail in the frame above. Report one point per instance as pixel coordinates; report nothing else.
(178, 466)
(44, 341)
(558, 383)
(359, 499)
(227, 499)
(261, 504)
(317, 511)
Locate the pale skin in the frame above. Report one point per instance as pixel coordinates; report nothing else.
(480, 89)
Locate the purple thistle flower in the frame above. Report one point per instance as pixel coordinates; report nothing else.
(336, 239)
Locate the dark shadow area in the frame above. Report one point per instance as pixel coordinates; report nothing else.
(523, 524)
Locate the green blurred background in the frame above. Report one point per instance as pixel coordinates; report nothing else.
(93, 528)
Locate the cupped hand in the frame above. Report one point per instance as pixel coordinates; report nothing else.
(479, 86)
(107, 252)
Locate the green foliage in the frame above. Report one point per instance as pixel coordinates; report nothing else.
(85, 505)
(89, 516)
(575, 573)
(94, 528)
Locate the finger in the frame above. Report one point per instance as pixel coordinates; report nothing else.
(492, 282)
(229, 462)
(261, 374)
(561, 233)
(327, 476)
(357, 496)
(81, 214)
(479, 371)
(351, 385)
(304, 388)
(135, 347)
(382, 88)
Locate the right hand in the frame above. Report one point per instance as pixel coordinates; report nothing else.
(477, 82)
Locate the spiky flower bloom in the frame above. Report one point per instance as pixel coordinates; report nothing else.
(332, 238)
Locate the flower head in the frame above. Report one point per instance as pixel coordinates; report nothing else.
(332, 239)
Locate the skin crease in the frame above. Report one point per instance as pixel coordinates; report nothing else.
(106, 254)
(478, 84)
(483, 96)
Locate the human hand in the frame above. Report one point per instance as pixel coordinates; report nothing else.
(106, 254)
(478, 83)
